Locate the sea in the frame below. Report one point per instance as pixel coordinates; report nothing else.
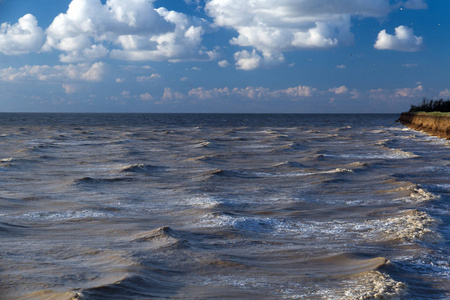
(222, 206)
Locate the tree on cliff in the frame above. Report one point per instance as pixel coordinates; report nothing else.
(431, 105)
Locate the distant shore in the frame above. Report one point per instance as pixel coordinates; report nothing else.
(433, 123)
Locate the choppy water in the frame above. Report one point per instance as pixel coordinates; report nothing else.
(112, 206)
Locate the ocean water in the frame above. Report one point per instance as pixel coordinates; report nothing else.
(186, 206)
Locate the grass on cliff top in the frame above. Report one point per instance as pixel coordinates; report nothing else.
(433, 113)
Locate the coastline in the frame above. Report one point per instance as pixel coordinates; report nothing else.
(432, 124)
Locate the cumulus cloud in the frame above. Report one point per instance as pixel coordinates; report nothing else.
(444, 94)
(403, 40)
(223, 64)
(129, 30)
(397, 94)
(272, 27)
(146, 97)
(148, 78)
(252, 93)
(339, 90)
(80, 72)
(22, 37)
(69, 88)
(409, 92)
(170, 94)
(246, 60)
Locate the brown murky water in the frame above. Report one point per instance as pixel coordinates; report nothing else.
(123, 206)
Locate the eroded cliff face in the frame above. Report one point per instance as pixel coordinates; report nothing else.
(431, 124)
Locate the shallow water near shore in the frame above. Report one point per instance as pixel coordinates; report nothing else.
(210, 206)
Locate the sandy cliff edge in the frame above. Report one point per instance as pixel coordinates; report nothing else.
(437, 125)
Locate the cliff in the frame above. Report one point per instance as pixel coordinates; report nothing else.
(433, 124)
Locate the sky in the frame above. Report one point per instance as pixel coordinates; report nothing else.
(223, 56)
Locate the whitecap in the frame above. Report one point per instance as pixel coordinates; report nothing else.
(66, 215)
(375, 285)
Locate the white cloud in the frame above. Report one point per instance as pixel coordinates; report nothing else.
(246, 60)
(273, 27)
(146, 97)
(341, 66)
(170, 94)
(95, 72)
(298, 91)
(397, 94)
(129, 30)
(253, 93)
(80, 72)
(444, 94)
(403, 40)
(69, 88)
(339, 90)
(148, 78)
(410, 65)
(23, 37)
(181, 43)
(409, 92)
(355, 94)
(223, 64)
(415, 4)
(125, 94)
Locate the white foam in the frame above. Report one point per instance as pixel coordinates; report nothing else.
(207, 202)
(253, 224)
(300, 174)
(66, 215)
(400, 153)
(419, 195)
(9, 159)
(375, 285)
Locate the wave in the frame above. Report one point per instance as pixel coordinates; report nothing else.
(52, 295)
(358, 165)
(344, 128)
(141, 168)
(420, 194)
(209, 202)
(219, 173)
(375, 285)
(409, 226)
(345, 264)
(292, 146)
(206, 158)
(163, 237)
(90, 180)
(9, 159)
(292, 164)
(8, 228)
(70, 215)
(30, 149)
(205, 144)
(400, 153)
(406, 227)
(243, 224)
(396, 153)
(276, 135)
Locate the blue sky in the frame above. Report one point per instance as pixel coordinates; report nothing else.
(299, 56)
